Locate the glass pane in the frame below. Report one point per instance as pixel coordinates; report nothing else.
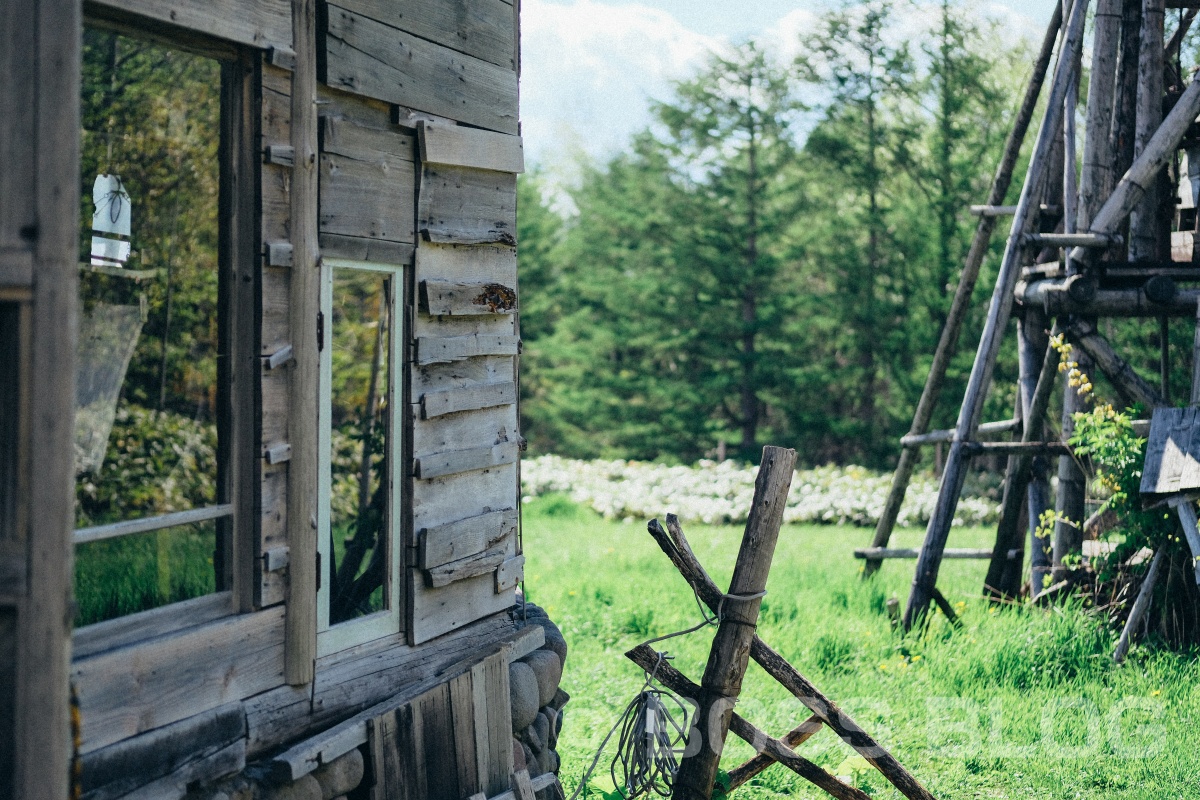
(361, 442)
(134, 573)
(147, 360)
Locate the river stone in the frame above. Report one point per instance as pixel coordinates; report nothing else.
(523, 687)
(306, 788)
(555, 725)
(340, 775)
(519, 755)
(541, 729)
(548, 669)
(531, 763)
(554, 638)
(560, 699)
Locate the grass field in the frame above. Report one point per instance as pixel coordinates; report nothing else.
(1016, 704)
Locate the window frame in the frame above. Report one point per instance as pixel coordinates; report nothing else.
(390, 621)
(235, 562)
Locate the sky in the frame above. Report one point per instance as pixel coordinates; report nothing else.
(589, 68)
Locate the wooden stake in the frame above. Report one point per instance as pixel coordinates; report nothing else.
(999, 311)
(645, 657)
(1139, 608)
(948, 341)
(675, 545)
(738, 610)
(792, 739)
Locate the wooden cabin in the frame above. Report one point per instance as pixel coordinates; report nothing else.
(259, 459)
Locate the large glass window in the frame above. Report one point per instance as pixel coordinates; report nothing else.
(151, 512)
(359, 500)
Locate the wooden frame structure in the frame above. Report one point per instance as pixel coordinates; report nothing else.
(1089, 238)
(343, 144)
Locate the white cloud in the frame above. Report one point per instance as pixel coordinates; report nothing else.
(589, 70)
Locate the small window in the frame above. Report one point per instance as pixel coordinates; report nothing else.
(359, 499)
(152, 514)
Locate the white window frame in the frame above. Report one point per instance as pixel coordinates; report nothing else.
(335, 638)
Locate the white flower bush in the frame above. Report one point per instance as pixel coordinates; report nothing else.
(717, 493)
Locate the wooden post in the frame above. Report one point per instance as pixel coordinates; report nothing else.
(675, 545)
(1072, 484)
(993, 333)
(1191, 531)
(47, 85)
(730, 651)
(1096, 179)
(1121, 132)
(948, 341)
(301, 625)
(1144, 244)
(1037, 378)
(1139, 608)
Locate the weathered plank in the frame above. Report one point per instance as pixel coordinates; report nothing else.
(361, 248)
(510, 573)
(450, 462)
(441, 500)
(227, 761)
(367, 180)
(438, 611)
(456, 146)
(130, 691)
(469, 567)
(451, 376)
(522, 786)
(480, 28)
(435, 350)
(434, 404)
(1171, 452)
(495, 693)
(452, 431)
(122, 767)
(465, 537)
(467, 264)
(441, 297)
(258, 23)
(111, 634)
(460, 205)
(372, 59)
(463, 720)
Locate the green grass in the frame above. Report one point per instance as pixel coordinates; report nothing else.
(1017, 703)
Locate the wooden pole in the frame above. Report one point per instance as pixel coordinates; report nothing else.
(993, 333)
(1139, 609)
(1096, 179)
(1070, 501)
(675, 545)
(300, 628)
(774, 750)
(738, 610)
(948, 341)
(1144, 241)
(1038, 367)
(1121, 132)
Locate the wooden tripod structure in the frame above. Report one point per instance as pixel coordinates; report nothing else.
(1082, 245)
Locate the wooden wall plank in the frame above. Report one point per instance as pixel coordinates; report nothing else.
(258, 23)
(438, 730)
(122, 631)
(367, 180)
(445, 377)
(438, 611)
(456, 146)
(499, 720)
(443, 350)
(467, 264)
(468, 299)
(132, 690)
(18, 65)
(452, 430)
(372, 59)
(460, 205)
(479, 712)
(358, 248)
(454, 497)
(463, 721)
(479, 28)
(479, 564)
(465, 537)
(434, 404)
(450, 462)
(227, 761)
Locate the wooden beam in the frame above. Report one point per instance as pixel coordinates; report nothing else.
(755, 766)
(301, 627)
(933, 437)
(470, 147)
(912, 552)
(262, 24)
(1055, 298)
(470, 398)
(447, 349)
(1140, 606)
(1119, 372)
(738, 612)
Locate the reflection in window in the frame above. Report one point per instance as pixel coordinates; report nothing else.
(146, 438)
(360, 442)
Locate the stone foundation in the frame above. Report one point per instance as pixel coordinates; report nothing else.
(537, 698)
